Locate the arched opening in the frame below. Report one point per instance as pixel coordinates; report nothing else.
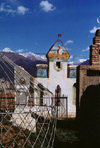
(74, 94)
(41, 93)
(89, 117)
(57, 95)
(31, 91)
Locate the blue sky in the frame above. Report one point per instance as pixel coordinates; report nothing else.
(33, 25)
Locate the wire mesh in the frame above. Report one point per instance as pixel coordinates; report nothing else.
(25, 121)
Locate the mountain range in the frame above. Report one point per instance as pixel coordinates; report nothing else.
(27, 61)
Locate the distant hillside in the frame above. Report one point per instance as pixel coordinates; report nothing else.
(34, 57)
(80, 62)
(28, 62)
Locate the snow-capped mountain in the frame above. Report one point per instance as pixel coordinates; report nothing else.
(33, 56)
(29, 60)
(79, 62)
(28, 63)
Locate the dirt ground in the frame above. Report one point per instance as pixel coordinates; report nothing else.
(67, 134)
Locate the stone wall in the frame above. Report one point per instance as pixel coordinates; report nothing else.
(89, 74)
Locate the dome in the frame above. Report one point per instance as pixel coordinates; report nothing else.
(98, 32)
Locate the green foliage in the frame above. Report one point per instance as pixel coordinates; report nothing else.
(16, 129)
(6, 122)
(67, 131)
(67, 135)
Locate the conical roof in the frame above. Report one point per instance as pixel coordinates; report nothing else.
(58, 50)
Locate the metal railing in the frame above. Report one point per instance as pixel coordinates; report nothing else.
(27, 126)
(26, 121)
(61, 106)
(35, 103)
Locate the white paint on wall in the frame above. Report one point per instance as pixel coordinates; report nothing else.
(66, 84)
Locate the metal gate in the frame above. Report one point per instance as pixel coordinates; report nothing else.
(61, 106)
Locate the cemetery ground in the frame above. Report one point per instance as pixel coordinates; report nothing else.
(67, 134)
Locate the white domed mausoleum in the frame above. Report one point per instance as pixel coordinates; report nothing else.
(60, 78)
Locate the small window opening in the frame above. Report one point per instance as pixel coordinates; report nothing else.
(93, 72)
(58, 64)
(41, 97)
(57, 95)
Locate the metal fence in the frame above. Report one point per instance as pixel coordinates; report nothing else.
(37, 103)
(26, 121)
(31, 124)
(61, 106)
(27, 127)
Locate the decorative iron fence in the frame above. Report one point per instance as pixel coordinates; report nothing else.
(26, 121)
(61, 106)
(27, 127)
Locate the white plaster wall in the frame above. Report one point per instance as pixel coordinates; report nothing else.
(66, 85)
(55, 74)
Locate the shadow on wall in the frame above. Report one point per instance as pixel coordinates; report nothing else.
(90, 117)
